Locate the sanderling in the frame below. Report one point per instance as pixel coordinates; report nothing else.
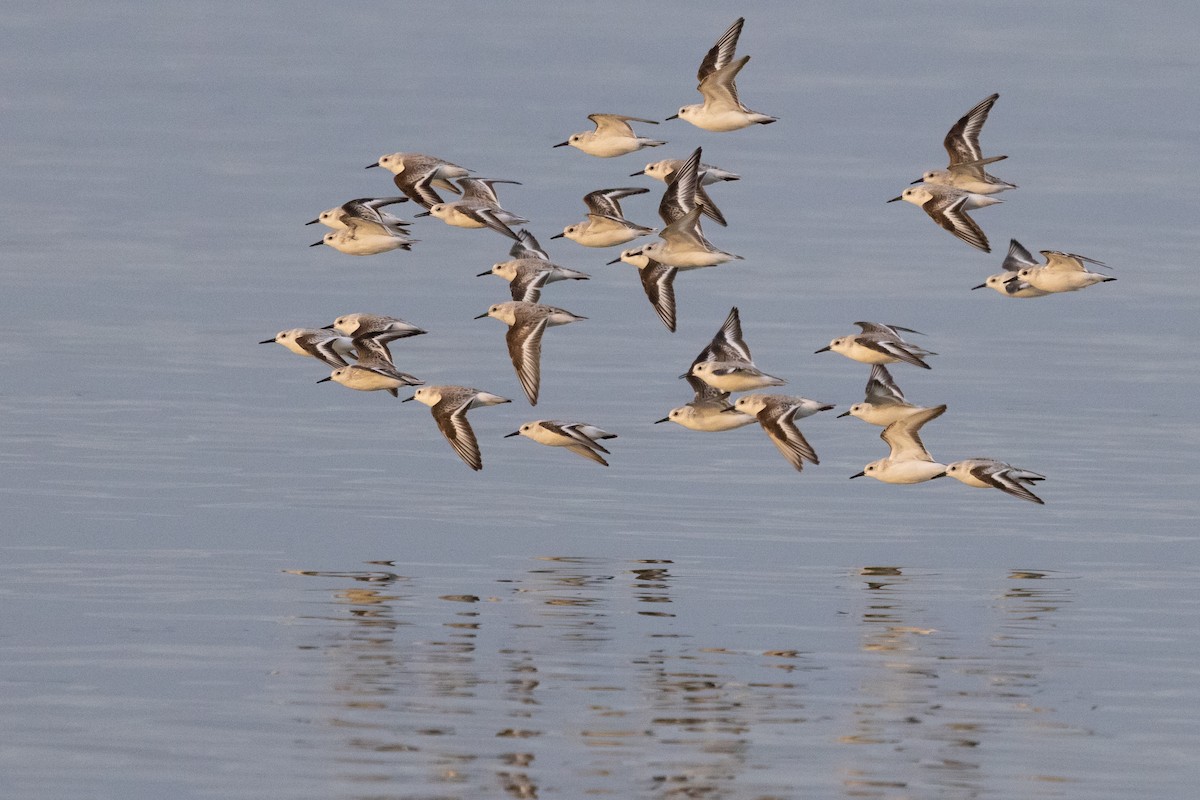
(987, 473)
(527, 276)
(884, 403)
(417, 174)
(478, 208)
(1017, 259)
(908, 461)
(605, 225)
(316, 343)
(879, 344)
(682, 242)
(374, 371)
(965, 170)
(706, 174)
(710, 410)
(725, 363)
(527, 246)
(578, 437)
(658, 282)
(379, 327)
(1062, 272)
(613, 136)
(363, 238)
(526, 323)
(948, 206)
(368, 208)
(449, 406)
(721, 109)
(777, 413)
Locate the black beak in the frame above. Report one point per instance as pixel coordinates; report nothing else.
(267, 341)
(317, 244)
(480, 275)
(839, 416)
(894, 199)
(614, 261)
(639, 172)
(562, 144)
(313, 222)
(980, 286)
(939, 475)
(857, 475)
(423, 214)
(405, 400)
(328, 327)
(664, 419)
(558, 236)
(325, 379)
(673, 116)
(368, 166)
(481, 316)
(514, 433)
(730, 409)
(822, 350)
(918, 180)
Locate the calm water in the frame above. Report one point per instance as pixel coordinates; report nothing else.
(222, 580)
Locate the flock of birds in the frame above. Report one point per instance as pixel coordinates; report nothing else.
(356, 346)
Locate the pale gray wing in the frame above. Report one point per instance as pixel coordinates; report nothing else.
(722, 52)
(953, 218)
(452, 422)
(658, 281)
(525, 349)
(605, 202)
(962, 140)
(1017, 257)
(321, 347)
(882, 389)
(528, 247)
(679, 198)
(779, 425)
(527, 285)
(707, 207)
(903, 436)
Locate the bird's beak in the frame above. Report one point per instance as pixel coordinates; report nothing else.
(614, 261)
(317, 244)
(558, 236)
(368, 166)
(313, 221)
(1013, 278)
(822, 350)
(325, 379)
(423, 214)
(829, 407)
(918, 180)
(639, 172)
(939, 475)
(857, 475)
(673, 116)
(328, 327)
(562, 144)
(664, 419)
(980, 286)
(894, 199)
(729, 410)
(405, 400)
(481, 316)
(480, 275)
(846, 414)
(514, 433)
(267, 341)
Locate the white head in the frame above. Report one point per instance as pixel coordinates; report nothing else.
(1024, 274)
(750, 404)
(637, 256)
(393, 163)
(346, 325)
(332, 218)
(505, 312)
(505, 269)
(572, 232)
(429, 395)
(687, 112)
(935, 175)
(661, 169)
(440, 210)
(917, 195)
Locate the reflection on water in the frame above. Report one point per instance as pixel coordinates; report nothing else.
(566, 677)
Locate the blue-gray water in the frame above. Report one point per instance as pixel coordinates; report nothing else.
(223, 580)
